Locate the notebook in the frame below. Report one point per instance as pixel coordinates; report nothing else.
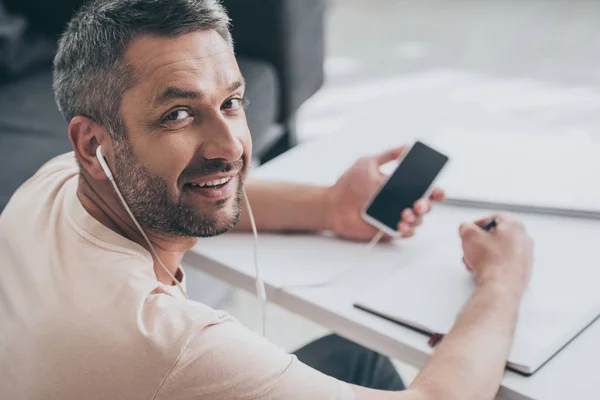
(427, 295)
(548, 174)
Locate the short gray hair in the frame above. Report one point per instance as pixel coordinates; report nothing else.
(90, 71)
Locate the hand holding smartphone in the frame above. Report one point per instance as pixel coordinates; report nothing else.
(411, 180)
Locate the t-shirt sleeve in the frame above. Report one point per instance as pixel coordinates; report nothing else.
(228, 361)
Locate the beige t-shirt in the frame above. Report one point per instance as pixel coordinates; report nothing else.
(82, 316)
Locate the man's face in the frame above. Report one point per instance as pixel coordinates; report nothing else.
(187, 146)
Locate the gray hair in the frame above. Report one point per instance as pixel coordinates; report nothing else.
(91, 74)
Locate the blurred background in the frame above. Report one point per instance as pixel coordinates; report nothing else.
(317, 67)
(534, 62)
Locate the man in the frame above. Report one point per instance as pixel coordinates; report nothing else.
(87, 309)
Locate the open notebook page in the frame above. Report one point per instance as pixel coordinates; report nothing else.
(429, 295)
(430, 290)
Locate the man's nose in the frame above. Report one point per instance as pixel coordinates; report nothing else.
(221, 140)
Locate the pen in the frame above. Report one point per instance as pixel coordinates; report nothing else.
(490, 225)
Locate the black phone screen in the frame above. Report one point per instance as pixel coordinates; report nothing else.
(409, 182)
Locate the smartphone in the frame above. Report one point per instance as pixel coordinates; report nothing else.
(410, 181)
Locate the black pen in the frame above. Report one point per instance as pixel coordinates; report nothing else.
(490, 225)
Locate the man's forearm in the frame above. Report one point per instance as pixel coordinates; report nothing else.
(280, 206)
(470, 361)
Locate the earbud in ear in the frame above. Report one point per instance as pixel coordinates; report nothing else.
(109, 174)
(103, 163)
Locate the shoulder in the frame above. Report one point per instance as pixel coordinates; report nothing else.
(224, 360)
(55, 171)
(40, 191)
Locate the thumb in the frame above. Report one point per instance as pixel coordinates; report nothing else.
(468, 230)
(390, 155)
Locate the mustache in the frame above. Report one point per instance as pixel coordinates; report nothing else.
(209, 167)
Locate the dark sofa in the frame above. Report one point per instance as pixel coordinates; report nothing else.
(279, 45)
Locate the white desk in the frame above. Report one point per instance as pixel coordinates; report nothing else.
(304, 259)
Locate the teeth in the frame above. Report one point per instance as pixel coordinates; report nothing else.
(211, 183)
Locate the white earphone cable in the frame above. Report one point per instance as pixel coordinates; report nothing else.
(171, 276)
(260, 286)
(368, 248)
(111, 178)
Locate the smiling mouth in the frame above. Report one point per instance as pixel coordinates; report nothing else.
(217, 183)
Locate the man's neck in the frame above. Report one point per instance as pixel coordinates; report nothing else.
(100, 201)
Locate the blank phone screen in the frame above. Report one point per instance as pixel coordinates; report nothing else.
(409, 182)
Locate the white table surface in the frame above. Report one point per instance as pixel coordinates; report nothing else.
(288, 260)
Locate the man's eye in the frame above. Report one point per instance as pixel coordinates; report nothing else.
(233, 104)
(177, 115)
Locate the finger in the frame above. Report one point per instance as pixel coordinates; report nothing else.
(485, 220)
(407, 231)
(412, 219)
(422, 206)
(409, 216)
(419, 221)
(386, 238)
(390, 155)
(438, 195)
(482, 222)
(408, 234)
(404, 228)
(499, 216)
(468, 230)
(506, 217)
(467, 265)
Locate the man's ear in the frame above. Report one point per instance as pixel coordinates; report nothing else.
(85, 136)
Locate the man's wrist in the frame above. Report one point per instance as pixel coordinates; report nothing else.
(317, 206)
(328, 201)
(506, 292)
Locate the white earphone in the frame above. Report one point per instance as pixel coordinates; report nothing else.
(109, 174)
(103, 163)
(260, 286)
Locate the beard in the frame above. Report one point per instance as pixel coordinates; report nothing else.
(160, 209)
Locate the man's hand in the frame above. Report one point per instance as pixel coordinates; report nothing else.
(354, 189)
(502, 256)
(469, 363)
